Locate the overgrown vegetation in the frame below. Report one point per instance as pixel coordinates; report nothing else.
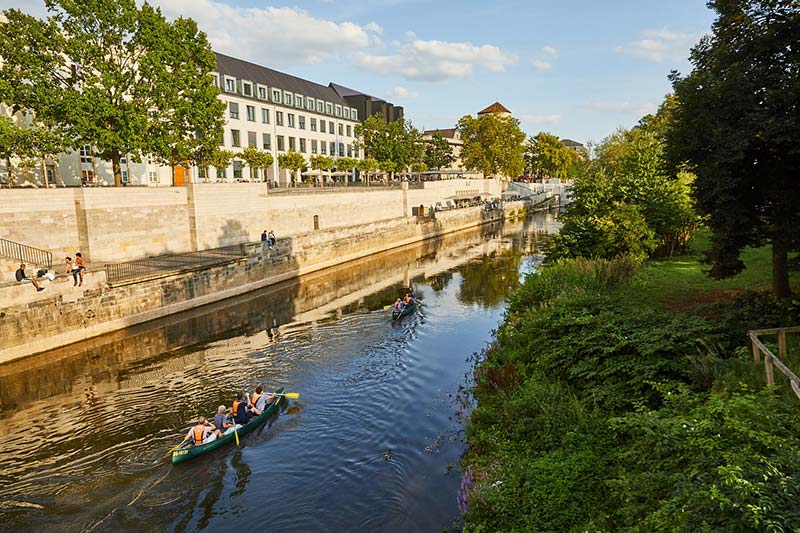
(601, 406)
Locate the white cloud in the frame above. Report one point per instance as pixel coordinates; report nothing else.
(549, 50)
(660, 45)
(271, 35)
(621, 107)
(401, 92)
(541, 119)
(539, 64)
(435, 60)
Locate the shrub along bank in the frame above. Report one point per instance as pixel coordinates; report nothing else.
(602, 405)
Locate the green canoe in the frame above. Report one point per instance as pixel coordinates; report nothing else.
(187, 450)
(407, 310)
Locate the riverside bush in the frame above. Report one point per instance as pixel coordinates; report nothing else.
(598, 413)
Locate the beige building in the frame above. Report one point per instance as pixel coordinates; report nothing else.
(271, 110)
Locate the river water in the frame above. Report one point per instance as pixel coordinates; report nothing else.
(372, 444)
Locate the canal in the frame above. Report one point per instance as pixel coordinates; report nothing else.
(372, 443)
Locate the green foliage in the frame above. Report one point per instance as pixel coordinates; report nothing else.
(258, 159)
(322, 162)
(220, 159)
(114, 75)
(27, 143)
(493, 144)
(597, 413)
(438, 152)
(291, 160)
(346, 163)
(397, 143)
(547, 157)
(736, 124)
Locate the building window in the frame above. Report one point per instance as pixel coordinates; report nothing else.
(341, 130)
(323, 148)
(279, 118)
(51, 174)
(320, 106)
(353, 113)
(251, 138)
(276, 96)
(123, 171)
(201, 173)
(292, 144)
(287, 98)
(247, 88)
(346, 111)
(333, 148)
(313, 125)
(267, 141)
(328, 108)
(152, 176)
(281, 148)
(355, 152)
(290, 119)
(330, 127)
(313, 146)
(302, 146)
(86, 154)
(349, 130)
(235, 140)
(301, 122)
(341, 149)
(216, 79)
(233, 110)
(262, 92)
(322, 126)
(87, 176)
(230, 84)
(298, 101)
(237, 169)
(251, 113)
(349, 150)
(265, 115)
(338, 110)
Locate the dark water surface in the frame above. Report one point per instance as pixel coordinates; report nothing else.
(86, 428)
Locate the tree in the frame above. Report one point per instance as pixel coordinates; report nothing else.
(367, 166)
(27, 143)
(547, 156)
(736, 123)
(399, 141)
(293, 161)
(258, 160)
(322, 162)
(113, 75)
(438, 152)
(493, 144)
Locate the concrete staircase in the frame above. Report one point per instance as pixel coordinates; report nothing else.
(13, 253)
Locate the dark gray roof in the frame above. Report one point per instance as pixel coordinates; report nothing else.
(570, 142)
(244, 70)
(347, 91)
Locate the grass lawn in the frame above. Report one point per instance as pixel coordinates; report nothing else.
(681, 283)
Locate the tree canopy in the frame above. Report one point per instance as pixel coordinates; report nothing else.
(547, 157)
(397, 142)
(115, 75)
(257, 159)
(493, 144)
(292, 160)
(438, 152)
(28, 142)
(737, 125)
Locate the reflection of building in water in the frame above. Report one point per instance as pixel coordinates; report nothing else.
(144, 353)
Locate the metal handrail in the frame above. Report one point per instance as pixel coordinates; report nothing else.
(173, 263)
(26, 254)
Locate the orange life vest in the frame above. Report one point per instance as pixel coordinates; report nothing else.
(255, 398)
(236, 407)
(198, 434)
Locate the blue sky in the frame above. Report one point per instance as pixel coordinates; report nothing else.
(576, 68)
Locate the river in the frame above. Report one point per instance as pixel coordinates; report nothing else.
(372, 443)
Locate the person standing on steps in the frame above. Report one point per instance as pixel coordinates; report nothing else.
(78, 267)
(21, 276)
(272, 239)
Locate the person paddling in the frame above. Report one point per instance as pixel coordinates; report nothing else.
(201, 433)
(241, 414)
(221, 421)
(258, 402)
(398, 305)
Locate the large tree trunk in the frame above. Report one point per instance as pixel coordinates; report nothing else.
(116, 168)
(780, 270)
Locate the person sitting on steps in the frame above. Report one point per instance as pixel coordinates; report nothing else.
(21, 276)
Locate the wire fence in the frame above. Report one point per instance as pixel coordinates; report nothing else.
(173, 263)
(26, 254)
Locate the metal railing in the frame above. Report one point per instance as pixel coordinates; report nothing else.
(173, 263)
(26, 254)
(770, 358)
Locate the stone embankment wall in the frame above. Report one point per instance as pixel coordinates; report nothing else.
(118, 224)
(67, 314)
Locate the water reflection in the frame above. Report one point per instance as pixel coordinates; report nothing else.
(87, 426)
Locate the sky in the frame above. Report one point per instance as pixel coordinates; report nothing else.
(578, 69)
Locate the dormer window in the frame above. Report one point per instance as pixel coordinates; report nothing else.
(353, 113)
(338, 110)
(320, 106)
(298, 101)
(276, 96)
(261, 92)
(247, 88)
(347, 113)
(288, 98)
(310, 103)
(230, 84)
(216, 79)
(328, 108)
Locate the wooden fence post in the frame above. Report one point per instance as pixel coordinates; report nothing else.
(782, 343)
(756, 352)
(768, 368)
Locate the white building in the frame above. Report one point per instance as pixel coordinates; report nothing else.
(271, 110)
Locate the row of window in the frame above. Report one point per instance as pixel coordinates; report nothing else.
(301, 145)
(233, 112)
(287, 98)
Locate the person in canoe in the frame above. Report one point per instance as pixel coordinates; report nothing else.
(408, 299)
(241, 413)
(259, 401)
(201, 433)
(221, 421)
(398, 305)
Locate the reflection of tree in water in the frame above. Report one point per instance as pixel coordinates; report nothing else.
(242, 472)
(488, 281)
(439, 281)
